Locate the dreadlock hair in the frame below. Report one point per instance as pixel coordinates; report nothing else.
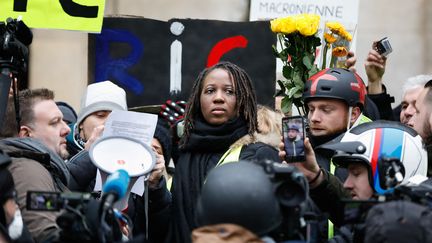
(246, 105)
(27, 99)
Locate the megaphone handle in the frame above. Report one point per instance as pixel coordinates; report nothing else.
(146, 205)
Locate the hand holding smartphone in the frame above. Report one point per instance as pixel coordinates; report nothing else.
(293, 129)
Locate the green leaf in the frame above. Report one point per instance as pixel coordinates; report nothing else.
(297, 79)
(313, 71)
(283, 55)
(292, 50)
(275, 51)
(287, 71)
(299, 94)
(307, 61)
(317, 41)
(282, 87)
(299, 103)
(286, 104)
(294, 90)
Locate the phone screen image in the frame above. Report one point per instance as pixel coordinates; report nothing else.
(293, 135)
(43, 201)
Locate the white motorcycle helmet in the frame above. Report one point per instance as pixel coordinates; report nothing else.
(389, 149)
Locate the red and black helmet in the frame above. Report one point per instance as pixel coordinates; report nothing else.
(336, 83)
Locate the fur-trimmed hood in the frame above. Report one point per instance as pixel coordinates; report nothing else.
(272, 139)
(270, 129)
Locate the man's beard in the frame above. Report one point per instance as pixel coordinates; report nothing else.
(428, 133)
(319, 140)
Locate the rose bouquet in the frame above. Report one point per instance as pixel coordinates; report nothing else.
(297, 39)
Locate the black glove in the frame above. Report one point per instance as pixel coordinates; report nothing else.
(173, 111)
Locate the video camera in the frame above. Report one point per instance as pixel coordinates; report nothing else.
(55, 201)
(355, 211)
(15, 37)
(83, 218)
(291, 186)
(291, 189)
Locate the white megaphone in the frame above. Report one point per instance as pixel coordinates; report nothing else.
(113, 153)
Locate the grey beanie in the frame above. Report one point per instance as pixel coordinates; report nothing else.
(101, 96)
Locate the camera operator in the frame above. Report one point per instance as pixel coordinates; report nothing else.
(253, 202)
(37, 154)
(374, 154)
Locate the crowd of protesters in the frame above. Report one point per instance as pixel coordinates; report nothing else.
(231, 181)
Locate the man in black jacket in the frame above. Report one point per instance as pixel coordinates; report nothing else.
(334, 99)
(99, 100)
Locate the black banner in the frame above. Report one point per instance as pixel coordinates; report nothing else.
(146, 56)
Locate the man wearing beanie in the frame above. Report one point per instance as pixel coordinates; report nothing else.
(98, 101)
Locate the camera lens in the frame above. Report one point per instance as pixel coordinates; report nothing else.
(290, 194)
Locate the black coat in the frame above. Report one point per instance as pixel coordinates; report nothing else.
(202, 152)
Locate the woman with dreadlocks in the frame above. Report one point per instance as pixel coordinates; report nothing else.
(222, 110)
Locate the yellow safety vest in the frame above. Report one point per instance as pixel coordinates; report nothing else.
(231, 155)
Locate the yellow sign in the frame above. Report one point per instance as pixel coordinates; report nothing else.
(84, 15)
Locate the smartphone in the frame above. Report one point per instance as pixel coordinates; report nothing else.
(383, 47)
(293, 130)
(43, 201)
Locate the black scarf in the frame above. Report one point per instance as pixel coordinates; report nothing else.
(219, 137)
(202, 152)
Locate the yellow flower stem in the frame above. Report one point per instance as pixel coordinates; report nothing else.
(300, 111)
(333, 62)
(324, 55)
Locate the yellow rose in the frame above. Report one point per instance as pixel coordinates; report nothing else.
(346, 35)
(339, 51)
(335, 27)
(329, 38)
(307, 24)
(275, 25)
(283, 25)
(288, 25)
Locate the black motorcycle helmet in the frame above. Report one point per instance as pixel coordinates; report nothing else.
(336, 83)
(239, 193)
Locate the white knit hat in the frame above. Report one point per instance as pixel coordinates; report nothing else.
(101, 96)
